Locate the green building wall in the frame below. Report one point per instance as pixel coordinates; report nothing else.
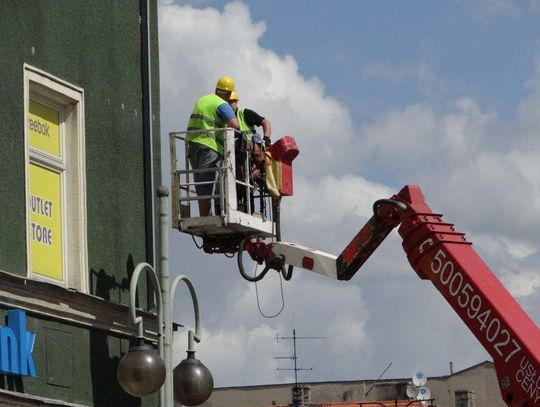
(95, 45)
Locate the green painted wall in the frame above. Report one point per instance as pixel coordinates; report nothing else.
(94, 45)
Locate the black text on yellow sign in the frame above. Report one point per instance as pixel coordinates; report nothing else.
(40, 233)
(44, 128)
(39, 127)
(45, 223)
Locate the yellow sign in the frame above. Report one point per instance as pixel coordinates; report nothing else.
(45, 227)
(44, 128)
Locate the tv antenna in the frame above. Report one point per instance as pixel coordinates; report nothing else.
(294, 355)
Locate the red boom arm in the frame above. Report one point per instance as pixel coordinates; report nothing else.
(438, 253)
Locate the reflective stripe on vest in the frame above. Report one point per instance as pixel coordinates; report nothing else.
(204, 117)
(247, 129)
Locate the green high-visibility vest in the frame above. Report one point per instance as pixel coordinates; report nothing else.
(204, 117)
(247, 129)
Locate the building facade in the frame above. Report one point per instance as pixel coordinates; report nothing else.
(79, 161)
(476, 386)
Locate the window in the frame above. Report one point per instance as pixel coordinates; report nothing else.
(465, 398)
(55, 180)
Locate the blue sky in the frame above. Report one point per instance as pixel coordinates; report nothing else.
(337, 41)
(462, 48)
(377, 94)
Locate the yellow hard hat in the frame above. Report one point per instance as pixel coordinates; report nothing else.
(225, 83)
(234, 96)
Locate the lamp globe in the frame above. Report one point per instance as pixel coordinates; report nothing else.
(141, 370)
(193, 382)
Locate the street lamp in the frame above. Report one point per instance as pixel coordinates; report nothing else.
(193, 382)
(142, 370)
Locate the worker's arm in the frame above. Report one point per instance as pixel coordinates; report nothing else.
(226, 114)
(267, 128)
(255, 119)
(233, 123)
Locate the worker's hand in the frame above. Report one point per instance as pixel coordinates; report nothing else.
(267, 141)
(257, 138)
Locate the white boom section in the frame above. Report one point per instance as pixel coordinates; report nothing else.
(307, 258)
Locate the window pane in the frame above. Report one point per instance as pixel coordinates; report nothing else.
(44, 128)
(45, 209)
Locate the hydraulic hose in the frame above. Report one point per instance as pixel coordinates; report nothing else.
(241, 265)
(288, 275)
(276, 210)
(397, 204)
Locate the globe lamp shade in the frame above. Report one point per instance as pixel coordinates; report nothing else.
(141, 371)
(193, 382)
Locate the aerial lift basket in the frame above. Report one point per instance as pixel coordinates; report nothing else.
(224, 231)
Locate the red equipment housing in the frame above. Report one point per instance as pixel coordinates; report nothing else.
(285, 151)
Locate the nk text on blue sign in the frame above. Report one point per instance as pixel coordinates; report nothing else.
(16, 346)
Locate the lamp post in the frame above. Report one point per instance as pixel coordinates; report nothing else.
(142, 371)
(192, 381)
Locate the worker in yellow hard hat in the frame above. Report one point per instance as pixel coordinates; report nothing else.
(249, 120)
(225, 83)
(251, 143)
(205, 147)
(233, 100)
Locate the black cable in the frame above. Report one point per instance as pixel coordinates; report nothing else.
(195, 242)
(258, 303)
(397, 204)
(241, 266)
(287, 276)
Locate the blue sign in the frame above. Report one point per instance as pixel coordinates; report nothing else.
(16, 346)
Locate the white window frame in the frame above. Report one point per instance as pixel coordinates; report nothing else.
(68, 99)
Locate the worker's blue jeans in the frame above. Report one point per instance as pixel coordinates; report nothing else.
(202, 157)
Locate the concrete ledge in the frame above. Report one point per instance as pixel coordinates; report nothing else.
(45, 299)
(13, 399)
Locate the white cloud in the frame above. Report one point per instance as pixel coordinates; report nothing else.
(241, 349)
(326, 213)
(266, 82)
(408, 141)
(522, 283)
(239, 354)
